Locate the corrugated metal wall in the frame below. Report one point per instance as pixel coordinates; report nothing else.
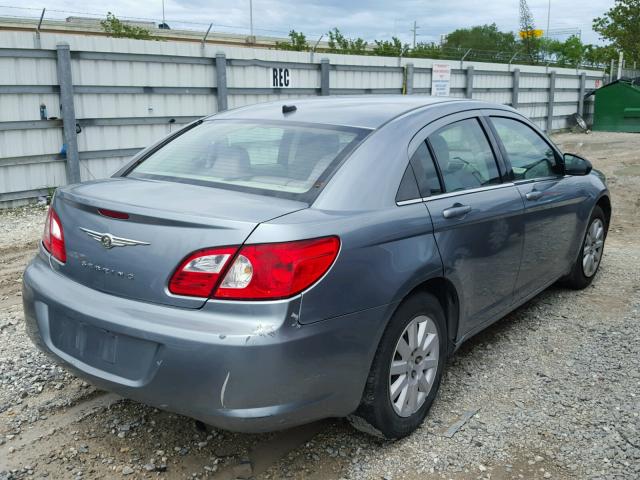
(130, 93)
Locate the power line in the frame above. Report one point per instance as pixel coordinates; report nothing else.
(148, 19)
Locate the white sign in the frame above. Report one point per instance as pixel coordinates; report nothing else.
(440, 79)
(280, 78)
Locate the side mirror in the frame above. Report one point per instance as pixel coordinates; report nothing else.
(575, 165)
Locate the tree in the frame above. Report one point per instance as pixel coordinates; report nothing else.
(621, 26)
(530, 42)
(298, 42)
(116, 28)
(598, 56)
(392, 48)
(338, 43)
(481, 37)
(570, 52)
(425, 50)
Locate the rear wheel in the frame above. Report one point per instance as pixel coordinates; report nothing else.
(588, 262)
(406, 371)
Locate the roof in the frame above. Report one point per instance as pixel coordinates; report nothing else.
(367, 111)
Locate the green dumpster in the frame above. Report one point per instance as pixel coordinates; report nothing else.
(617, 107)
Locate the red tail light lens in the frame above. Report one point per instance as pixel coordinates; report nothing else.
(113, 214)
(199, 273)
(53, 237)
(257, 272)
(277, 270)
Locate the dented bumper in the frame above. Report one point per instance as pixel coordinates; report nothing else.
(236, 365)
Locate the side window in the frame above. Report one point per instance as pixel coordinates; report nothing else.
(408, 189)
(529, 154)
(464, 156)
(425, 170)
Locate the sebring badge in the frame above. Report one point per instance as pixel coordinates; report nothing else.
(109, 241)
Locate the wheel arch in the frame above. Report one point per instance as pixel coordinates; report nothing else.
(604, 202)
(447, 295)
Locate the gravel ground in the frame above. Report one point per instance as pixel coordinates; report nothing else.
(551, 391)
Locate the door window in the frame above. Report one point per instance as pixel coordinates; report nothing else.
(464, 155)
(530, 156)
(425, 170)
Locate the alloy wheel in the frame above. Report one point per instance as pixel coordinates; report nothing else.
(414, 366)
(593, 245)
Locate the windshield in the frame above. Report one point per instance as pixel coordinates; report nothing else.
(274, 158)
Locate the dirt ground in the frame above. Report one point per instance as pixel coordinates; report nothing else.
(551, 391)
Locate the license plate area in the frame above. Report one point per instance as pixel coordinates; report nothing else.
(118, 354)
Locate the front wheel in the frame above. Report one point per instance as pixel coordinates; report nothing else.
(406, 371)
(588, 262)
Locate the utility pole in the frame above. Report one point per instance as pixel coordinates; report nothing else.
(251, 18)
(414, 30)
(546, 33)
(163, 22)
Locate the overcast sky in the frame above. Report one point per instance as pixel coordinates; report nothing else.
(379, 19)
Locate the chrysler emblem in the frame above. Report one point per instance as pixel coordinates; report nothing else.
(109, 241)
(106, 241)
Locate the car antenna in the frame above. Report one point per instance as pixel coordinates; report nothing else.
(288, 108)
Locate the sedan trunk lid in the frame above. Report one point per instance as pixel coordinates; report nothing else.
(135, 257)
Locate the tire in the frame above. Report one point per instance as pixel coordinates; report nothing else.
(378, 414)
(583, 272)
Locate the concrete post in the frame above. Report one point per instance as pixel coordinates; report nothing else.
(469, 86)
(408, 86)
(68, 112)
(221, 81)
(515, 90)
(552, 93)
(583, 81)
(611, 71)
(325, 88)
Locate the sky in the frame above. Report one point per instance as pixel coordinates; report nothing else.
(373, 19)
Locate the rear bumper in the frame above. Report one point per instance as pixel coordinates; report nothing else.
(239, 366)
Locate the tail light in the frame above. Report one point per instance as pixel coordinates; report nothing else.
(199, 273)
(113, 214)
(256, 272)
(53, 237)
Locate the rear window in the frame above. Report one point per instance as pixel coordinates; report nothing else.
(275, 158)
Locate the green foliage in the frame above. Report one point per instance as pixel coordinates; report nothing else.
(297, 42)
(481, 37)
(116, 28)
(568, 53)
(485, 42)
(338, 43)
(598, 56)
(393, 48)
(621, 26)
(530, 43)
(426, 50)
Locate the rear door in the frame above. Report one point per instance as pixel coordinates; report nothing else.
(476, 215)
(551, 202)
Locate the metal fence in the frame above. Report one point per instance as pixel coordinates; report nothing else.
(125, 94)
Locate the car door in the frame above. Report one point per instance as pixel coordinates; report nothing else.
(476, 216)
(551, 202)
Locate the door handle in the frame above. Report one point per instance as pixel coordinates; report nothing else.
(534, 195)
(457, 210)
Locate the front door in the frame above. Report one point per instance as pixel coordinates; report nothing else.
(551, 204)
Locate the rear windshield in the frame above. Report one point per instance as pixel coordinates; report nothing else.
(285, 159)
